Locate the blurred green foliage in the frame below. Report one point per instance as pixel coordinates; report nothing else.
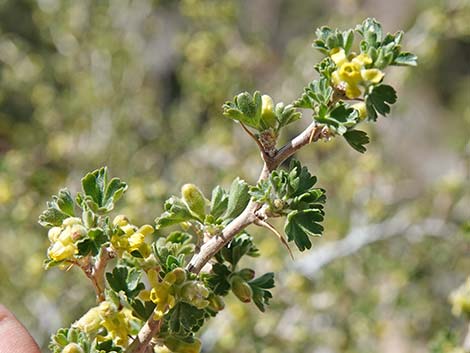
(138, 86)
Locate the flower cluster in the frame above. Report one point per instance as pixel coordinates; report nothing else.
(352, 72)
(117, 323)
(129, 238)
(64, 239)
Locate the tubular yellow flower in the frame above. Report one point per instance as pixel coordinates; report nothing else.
(161, 293)
(361, 109)
(350, 72)
(54, 233)
(59, 251)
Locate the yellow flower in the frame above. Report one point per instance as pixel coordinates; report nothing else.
(133, 239)
(63, 239)
(351, 72)
(161, 293)
(117, 323)
(361, 109)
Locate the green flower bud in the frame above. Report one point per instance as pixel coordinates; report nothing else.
(247, 274)
(194, 199)
(90, 322)
(216, 303)
(180, 346)
(180, 275)
(361, 109)
(268, 117)
(241, 289)
(72, 348)
(195, 293)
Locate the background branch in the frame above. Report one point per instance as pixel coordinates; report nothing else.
(399, 225)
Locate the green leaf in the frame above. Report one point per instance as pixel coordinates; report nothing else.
(107, 347)
(60, 208)
(317, 93)
(217, 279)
(300, 225)
(286, 115)
(260, 286)
(239, 246)
(378, 100)
(52, 217)
(142, 310)
(185, 318)
(114, 190)
(238, 199)
(219, 202)
(245, 108)
(357, 139)
(176, 212)
(406, 59)
(99, 195)
(126, 280)
(94, 183)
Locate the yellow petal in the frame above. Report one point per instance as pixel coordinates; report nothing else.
(350, 73)
(338, 56)
(362, 59)
(146, 229)
(153, 277)
(372, 75)
(335, 78)
(144, 295)
(352, 91)
(361, 109)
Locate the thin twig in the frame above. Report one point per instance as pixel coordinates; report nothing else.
(271, 228)
(98, 271)
(260, 145)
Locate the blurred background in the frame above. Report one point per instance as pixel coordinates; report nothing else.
(138, 86)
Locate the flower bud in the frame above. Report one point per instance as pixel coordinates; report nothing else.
(361, 110)
(241, 289)
(54, 233)
(71, 221)
(90, 322)
(247, 274)
(180, 346)
(59, 251)
(216, 303)
(72, 348)
(195, 293)
(120, 221)
(146, 229)
(194, 199)
(268, 116)
(180, 275)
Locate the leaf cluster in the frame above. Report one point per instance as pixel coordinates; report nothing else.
(292, 193)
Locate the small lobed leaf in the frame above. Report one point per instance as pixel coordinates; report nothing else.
(300, 225)
(379, 100)
(357, 139)
(260, 287)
